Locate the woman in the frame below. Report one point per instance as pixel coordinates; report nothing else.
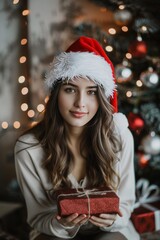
(81, 142)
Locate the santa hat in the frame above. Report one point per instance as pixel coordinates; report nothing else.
(84, 58)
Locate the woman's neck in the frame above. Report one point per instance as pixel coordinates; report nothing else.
(74, 135)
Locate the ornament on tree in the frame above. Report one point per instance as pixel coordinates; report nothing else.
(123, 73)
(151, 144)
(150, 78)
(138, 49)
(143, 159)
(151, 115)
(122, 17)
(145, 25)
(136, 123)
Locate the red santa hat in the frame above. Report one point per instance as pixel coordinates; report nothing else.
(84, 58)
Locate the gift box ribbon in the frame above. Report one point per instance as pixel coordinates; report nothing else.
(147, 194)
(86, 193)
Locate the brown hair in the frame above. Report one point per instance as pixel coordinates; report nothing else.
(99, 135)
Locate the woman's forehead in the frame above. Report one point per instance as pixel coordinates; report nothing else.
(80, 81)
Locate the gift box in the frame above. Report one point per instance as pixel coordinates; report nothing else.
(146, 214)
(87, 201)
(146, 218)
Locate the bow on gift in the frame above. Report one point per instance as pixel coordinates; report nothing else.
(87, 192)
(146, 193)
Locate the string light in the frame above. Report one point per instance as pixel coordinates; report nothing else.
(112, 31)
(21, 79)
(4, 125)
(24, 107)
(24, 91)
(128, 55)
(121, 7)
(129, 94)
(31, 113)
(25, 12)
(124, 28)
(24, 41)
(40, 108)
(22, 59)
(139, 83)
(16, 124)
(15, 1)
(109, 48)
(144, 29)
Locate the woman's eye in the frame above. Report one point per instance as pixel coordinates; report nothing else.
(70, 90)
(92, 92)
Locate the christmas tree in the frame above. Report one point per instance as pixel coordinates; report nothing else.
(132, 43)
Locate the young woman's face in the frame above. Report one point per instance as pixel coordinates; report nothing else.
(78, 102)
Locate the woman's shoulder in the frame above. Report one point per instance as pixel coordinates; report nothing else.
(26, 140)
(121, 123)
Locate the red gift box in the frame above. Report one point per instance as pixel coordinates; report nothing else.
(146, 218)
(87, 201)
(146, 214)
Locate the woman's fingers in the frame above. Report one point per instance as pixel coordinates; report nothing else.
(73, 220)
(104, 220)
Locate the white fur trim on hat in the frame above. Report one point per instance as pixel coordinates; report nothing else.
(69, 65)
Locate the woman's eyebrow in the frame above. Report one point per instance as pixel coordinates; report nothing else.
(74, 85)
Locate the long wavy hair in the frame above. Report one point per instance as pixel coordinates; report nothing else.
(99, 145)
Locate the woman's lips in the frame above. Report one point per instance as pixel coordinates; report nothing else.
(78, 114)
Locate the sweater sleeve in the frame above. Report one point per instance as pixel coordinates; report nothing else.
(126, 188)
(41, 210)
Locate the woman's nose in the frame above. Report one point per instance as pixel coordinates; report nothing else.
(80, 100)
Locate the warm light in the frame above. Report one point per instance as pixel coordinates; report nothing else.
(109, 48)
(143, 159)
(16, 124)
(33, 123)
(25, 12)
(139, 83)
(15, 1)
(40, 108)
(22, 59)
(112, 31)
(144, 29)
(31, 113)
(128, 55)
(21, 79)
(129, 94)
(24, 90)
(23, 41)
(124, 29)
(4, 125)
(46, 99)
(24, 107)
(121, 7)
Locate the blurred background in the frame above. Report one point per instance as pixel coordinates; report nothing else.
(33, 31)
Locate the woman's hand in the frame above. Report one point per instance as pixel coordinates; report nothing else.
(72, 220)
(103, 220)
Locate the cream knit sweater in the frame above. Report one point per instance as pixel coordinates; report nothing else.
(37, 188)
